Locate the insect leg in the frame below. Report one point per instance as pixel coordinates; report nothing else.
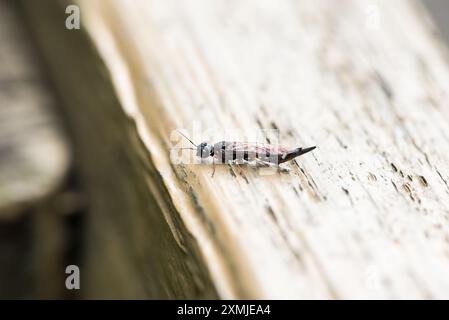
(231, 165)
(261, 163)
(240, 168)
(213, 167)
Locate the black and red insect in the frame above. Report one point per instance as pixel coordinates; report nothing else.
(244, 152)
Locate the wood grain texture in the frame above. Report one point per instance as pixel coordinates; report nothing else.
(129, 250)
(364, 216)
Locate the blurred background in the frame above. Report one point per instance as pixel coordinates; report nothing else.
(43, 203)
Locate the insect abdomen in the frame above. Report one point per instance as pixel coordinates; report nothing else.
(293, 154)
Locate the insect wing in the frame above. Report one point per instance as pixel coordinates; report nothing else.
(257, 148)
(252, 151)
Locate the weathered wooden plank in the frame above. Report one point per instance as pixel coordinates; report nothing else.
(129, 250)
(365, 216)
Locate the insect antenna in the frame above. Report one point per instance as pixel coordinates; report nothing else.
(182, 134)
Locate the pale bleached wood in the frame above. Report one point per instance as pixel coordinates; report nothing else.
(365, 215)
(355, 219)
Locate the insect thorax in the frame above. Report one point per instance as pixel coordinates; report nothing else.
(205, 150)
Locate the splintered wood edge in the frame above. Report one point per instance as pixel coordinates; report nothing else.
(224, 254)
(120, 75)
